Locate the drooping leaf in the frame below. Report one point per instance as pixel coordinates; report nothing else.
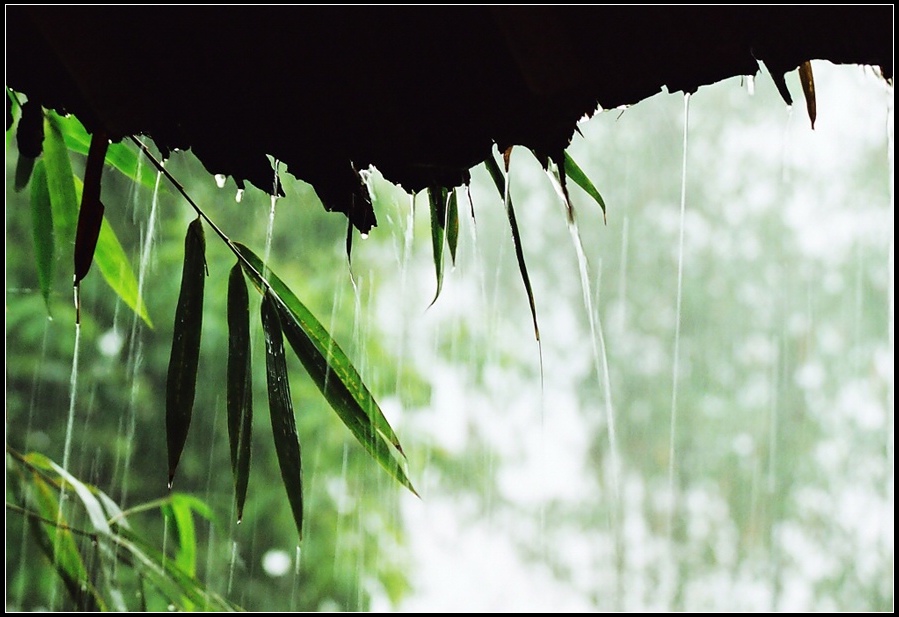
(807, 79)
(120, 156)
(115, 267)
(574, 171)
(239, 388)
(332, 372)
(502, 184)
(29, 140)
(287, 443)
(437, 200)
(452, 224)
(90, 216)
(42, 231)
(181, 383)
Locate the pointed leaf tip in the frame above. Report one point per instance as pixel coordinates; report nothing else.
(287, 443)
(181, 381)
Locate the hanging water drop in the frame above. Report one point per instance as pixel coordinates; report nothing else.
(239, 195)
(750, 84)
(220, 180)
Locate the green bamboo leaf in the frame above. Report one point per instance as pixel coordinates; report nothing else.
(120, 156)
(502, 184)
(332, 372)
(452, 224)
(182, 373)
(91, 504)
(348, 394)
(90, 215)
(287, 444)
(115, 267)
(573, 171)
(60, 181)
(42, 231)
(239, 389)
(182, 514)
(437, 199)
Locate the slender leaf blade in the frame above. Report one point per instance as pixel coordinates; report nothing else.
(332, 372)
(61, 183)
(182, 373)
(437, 200)
(284, 429)
(42, 231)
(333, 357)
(90, 216)
(502, 184)
(115, 267)
(574, 171)
(452, 224)
(239, 389)
(807, 80)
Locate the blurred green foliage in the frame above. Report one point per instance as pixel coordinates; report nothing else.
(118, 442)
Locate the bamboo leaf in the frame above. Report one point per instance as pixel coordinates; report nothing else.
(332, 356)
(332, 372)
(115, 267)
(239, 390)
(437, 200)
(91, 504)
(61, 183)
(287, 444)
(573, 171)
(42, 231)
(182, 515)
(807, 79)
(452, 224)
(502, 184)
(182, 373)
(29, 140)
(90, 216)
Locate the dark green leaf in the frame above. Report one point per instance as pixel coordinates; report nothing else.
(573, 171)
(182, 374)
(502, 184)
(24, 169)
(239, 389)
(452, 224)
(332, 372)
(287, 444)
(42, 231)
(90, 216)
(116, 268)
(437, 199)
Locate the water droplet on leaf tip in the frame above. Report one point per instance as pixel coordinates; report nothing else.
(239, 196)
(220, 180)
(364, 236)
